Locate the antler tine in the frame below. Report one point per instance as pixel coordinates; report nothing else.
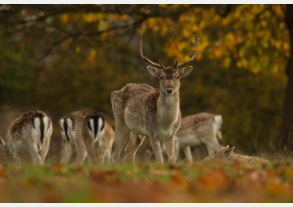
(145, 58)
(161, 64)
(194, 54)
(176, 64)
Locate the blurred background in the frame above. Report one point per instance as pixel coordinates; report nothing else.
(62, 58)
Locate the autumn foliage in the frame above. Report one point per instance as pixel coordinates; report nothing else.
(212, 182)
(62, 58)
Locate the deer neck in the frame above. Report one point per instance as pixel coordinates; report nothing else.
(168, 108)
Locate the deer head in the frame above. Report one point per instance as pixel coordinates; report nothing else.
(169, 76)
(5, 152)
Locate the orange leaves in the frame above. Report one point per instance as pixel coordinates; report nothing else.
(2, 174)
(215, 180)
(91, 56)
(212, 182)
(64, 18)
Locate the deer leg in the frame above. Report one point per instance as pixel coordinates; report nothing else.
(177, 149)
(12, 149)
(133, 145)
(109, 152)
(121, 136)
(188, 154)
(46, 146)
(156, 145)
(32, 148)
(212, 145)
(65, 152)
(169, 144)
(103, 149)
(90, 150)
(81, 151)
(45, 149)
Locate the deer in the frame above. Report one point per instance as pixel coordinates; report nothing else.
(97, 131)
(71, 126)
(141, 110)
(32, 130)
(196, 129)
(5, 154)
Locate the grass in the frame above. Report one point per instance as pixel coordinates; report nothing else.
(148, 182)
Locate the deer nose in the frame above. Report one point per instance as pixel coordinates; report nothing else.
(169, 90)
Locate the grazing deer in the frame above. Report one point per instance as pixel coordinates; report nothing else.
(5, 154)
(34, 130)
(71, 127)
(197, 129)
(96, 129)
(140, 109)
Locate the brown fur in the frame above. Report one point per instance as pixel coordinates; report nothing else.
(73, 138)
(144, 110)
(104, 142)
(196, 129)
(228, 154)
(37, 140)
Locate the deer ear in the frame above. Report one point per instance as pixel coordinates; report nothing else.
(154, 71)
(185, 71)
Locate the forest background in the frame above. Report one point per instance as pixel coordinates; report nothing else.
(63, 58)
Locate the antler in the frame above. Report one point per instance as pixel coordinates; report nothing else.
(192, 57)
(158, 65)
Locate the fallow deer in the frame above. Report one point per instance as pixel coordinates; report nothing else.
(33, 130)
(5, 154)
(196, 129)
(71, 127)
(143, 110)
(96, 129)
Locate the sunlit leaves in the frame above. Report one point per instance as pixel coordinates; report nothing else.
(246, 29)
(252, 35)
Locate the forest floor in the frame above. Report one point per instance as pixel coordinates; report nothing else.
(148, 182)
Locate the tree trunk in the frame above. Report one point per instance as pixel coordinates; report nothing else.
(285, 141)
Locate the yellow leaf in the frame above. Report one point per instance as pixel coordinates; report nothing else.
(77, 50)
(64, 18)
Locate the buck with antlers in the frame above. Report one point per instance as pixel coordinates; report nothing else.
(32, 130)
(140, 109)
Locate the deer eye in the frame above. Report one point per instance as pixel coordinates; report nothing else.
(161, 77)
(177, 77)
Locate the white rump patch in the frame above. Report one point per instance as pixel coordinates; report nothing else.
(91, 129)
(61, 123)
(100, 133)
(36, 129)
(36, 133)
(70, 124)
(46, 121)
(218, 120)
(100, 123)
(70, 131)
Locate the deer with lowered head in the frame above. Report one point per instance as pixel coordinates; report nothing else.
(32, 130)
(196, 129)
(71, 126)
(5, 154)
(140, 109)
(98, 132)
